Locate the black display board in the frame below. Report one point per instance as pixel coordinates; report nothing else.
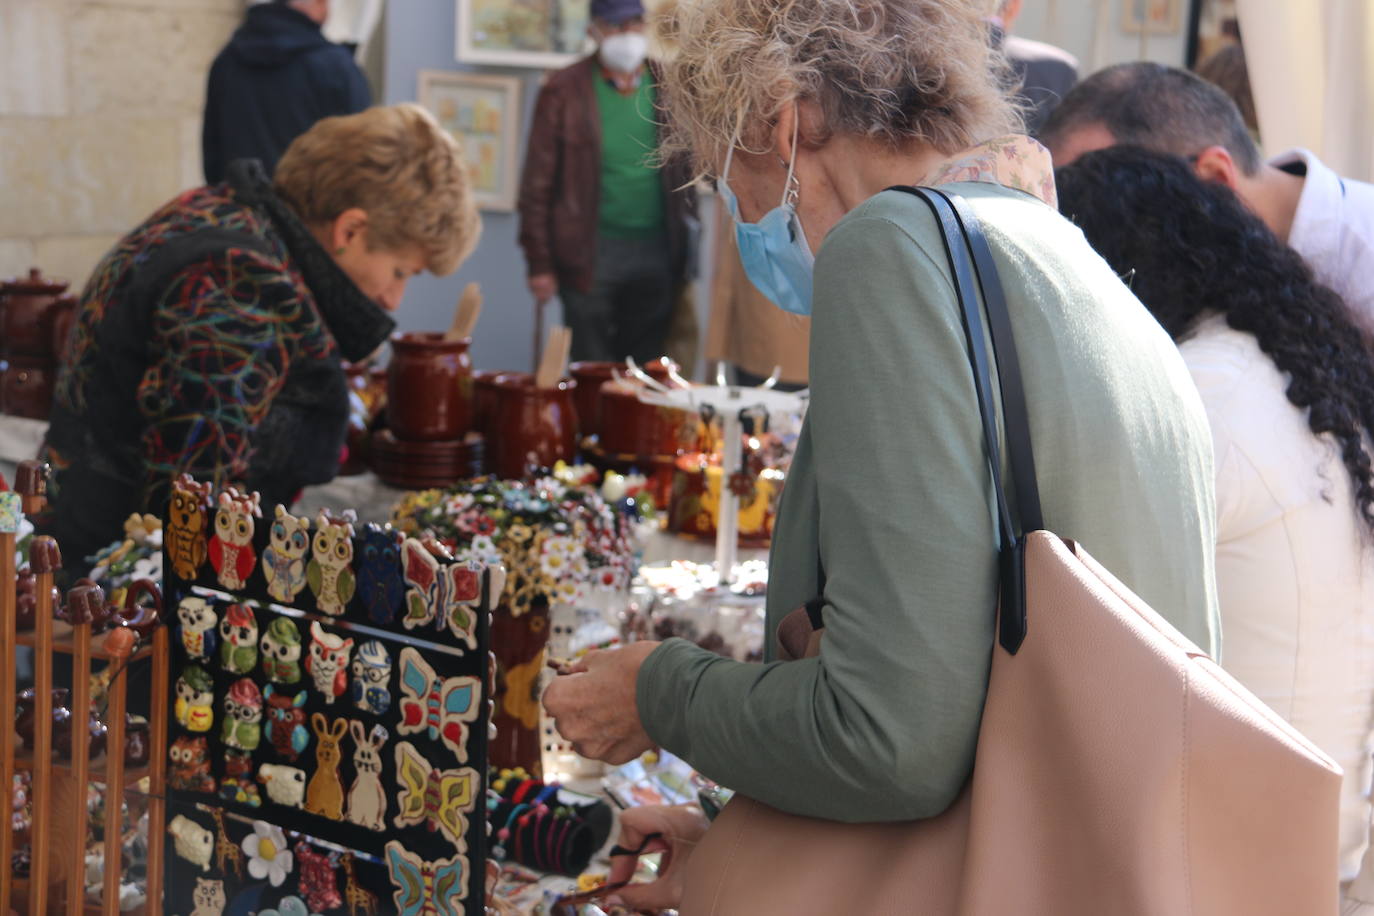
(330, 695)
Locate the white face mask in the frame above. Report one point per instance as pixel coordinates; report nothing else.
(624, 52)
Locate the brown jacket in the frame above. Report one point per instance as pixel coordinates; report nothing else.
(560, 188)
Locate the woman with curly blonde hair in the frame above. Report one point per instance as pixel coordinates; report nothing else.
(209, 339)
(804, 112)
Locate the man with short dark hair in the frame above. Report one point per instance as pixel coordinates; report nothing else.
(1327, 219)
(275, 78)
(601, 223)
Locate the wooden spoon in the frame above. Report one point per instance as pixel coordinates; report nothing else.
(466, 315)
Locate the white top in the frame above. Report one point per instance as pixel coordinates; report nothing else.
(1333, 230)
(1295, 567)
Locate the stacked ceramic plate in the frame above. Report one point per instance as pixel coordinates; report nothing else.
(414, 465)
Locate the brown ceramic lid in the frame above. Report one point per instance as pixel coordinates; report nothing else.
(35, 282)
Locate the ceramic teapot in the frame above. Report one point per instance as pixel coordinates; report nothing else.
(26, 327)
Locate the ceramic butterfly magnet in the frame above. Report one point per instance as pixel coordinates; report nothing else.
(328, 662)
(231, 546)
(195, 695)
(188, 517)
(379, 574)
(281, 651)
(443, 707)
(371, 672)
(283, 562)
(242, 715)
(330, 572)
(442, 593)
(190, 765)
(438, 799)
(238, 639)
(196, 620)
(286, 723)
(318, 880)
(194, 843)
(426, 888)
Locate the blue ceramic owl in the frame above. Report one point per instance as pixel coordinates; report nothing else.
(379, 574)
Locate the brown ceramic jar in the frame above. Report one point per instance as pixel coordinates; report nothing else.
(429, 387)
(484, 398)
(26, 387)
(532, 426)
(25, 329)
(590, 376)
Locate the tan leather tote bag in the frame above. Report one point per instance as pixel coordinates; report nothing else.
(1119, 770)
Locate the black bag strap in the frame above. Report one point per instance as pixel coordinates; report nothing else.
(972, 267)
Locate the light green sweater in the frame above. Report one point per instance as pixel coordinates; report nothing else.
(890, 492)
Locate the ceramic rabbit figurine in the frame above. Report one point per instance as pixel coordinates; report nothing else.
(325, 796)
(366, 800)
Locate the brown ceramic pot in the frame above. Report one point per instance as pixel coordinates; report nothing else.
(25, 329)
(26, 387)
(532, 427)
(429, 387)
(484, 398)
(590, 376)
(518, 645)
(633, 429)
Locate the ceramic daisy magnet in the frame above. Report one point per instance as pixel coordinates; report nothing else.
(371, 672)
(281, 651)
(330, 572)
(238, 640)
(195, 694)
(328, 662)
(190, 765)
(231, 546)
(286, 722)
(242, 716)
(196, 620)
(268, 855)
(283, 562)
(188, 519)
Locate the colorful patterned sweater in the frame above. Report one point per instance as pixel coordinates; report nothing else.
(208, 340)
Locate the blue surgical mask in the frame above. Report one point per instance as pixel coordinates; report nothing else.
(774, 251)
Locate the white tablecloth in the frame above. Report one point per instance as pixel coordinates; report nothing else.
(20, 440)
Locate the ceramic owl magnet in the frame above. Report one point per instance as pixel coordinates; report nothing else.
(371, 673)
(238, 639)
(379, 574)
(330, 571)
(188, 518)
(283, 562)
(208, 897)
(328, 662)
(194, 698)
(231, 546)
(280, 649)
(242, 716)
(196, 620)
(189, 769)
(286, 722)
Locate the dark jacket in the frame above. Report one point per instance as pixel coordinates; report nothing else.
(1044, 73)
(207, 341)
(277, 76)
(560, 188)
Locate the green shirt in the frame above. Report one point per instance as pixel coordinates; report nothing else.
(631, 205)
(889, 492)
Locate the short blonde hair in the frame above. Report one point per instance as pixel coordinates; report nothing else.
(397, 164)
(892, 70)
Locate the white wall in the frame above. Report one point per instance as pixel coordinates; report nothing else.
(1091, 31)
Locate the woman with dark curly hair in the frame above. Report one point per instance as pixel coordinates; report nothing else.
(1288, 382)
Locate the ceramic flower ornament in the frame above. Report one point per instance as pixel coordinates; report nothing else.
(268, 855)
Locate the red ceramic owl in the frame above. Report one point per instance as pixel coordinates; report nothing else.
(231, 546)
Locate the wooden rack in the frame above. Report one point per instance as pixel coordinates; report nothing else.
(58, 788)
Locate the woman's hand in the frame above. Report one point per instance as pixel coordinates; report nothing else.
(679, 829)
(593, 704)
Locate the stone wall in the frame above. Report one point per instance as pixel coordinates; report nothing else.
(100, 109)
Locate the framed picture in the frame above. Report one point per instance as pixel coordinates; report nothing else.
(522, 33)
(1156, 17)
(483, 113)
